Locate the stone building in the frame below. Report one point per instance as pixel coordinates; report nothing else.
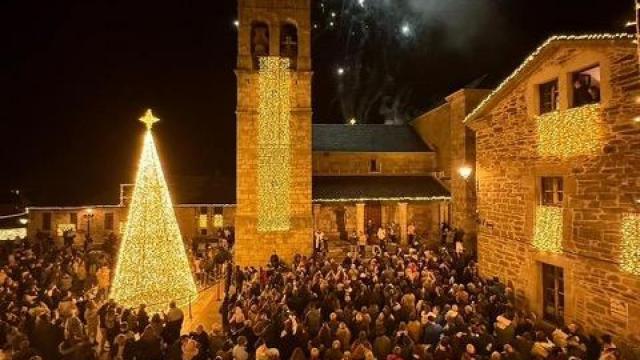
(376, 175)
(558, 183)
(273, 161)
(198, 215)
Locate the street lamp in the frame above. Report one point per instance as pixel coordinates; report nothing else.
(465, 172)
(89, 215)
(23, 221)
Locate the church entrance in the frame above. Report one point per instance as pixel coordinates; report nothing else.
(373, 214)
(341, 223)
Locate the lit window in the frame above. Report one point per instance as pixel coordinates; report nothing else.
(551, 191)
(374, 166)
(549, 97)
(586, 86)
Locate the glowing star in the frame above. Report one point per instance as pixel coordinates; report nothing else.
(152, 267)
(148, 119)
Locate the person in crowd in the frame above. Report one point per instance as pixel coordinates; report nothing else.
(413, 302)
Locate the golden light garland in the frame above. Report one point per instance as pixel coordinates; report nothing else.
(12, 234)
(534, 56)
(218, 221)
(630, 259)
(571, 132)
(152, 265)
(398, 199)
(274, 172)
(548, 230)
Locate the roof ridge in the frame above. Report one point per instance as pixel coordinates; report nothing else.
(534, 55)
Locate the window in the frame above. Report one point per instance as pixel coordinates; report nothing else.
(203, 232)
(374, 166)
(549, 97)
(46, 221)
(289, 43)
(73, 218)
(108, 221)
(553, 294)
(586, 86)
(203, 210)
(259, 42)
(551, 191)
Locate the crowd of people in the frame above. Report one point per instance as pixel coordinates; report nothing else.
(413, 302)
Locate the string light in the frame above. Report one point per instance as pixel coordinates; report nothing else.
(481, 107)
(548, 231)
(630, 259)
(152, 266)
(274, 155)
(12, 234)
(571, 132)
(394, 199)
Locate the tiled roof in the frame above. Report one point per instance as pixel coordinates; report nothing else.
(373, 188)
(367, 138)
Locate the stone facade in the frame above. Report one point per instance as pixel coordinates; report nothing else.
(336, 163)
(254, 247)
(189, 219)
(598, 188)
(443, 128)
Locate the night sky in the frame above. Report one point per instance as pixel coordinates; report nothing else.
(76, 75)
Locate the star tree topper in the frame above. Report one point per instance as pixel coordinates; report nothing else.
(148, 119)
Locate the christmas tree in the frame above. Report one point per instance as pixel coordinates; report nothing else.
(152, 266)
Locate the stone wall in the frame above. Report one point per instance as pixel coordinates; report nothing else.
(434, 127)
(328, 163)
(253, 247)
(599, 189)
(187, 217)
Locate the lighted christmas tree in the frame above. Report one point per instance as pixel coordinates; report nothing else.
(152, 266)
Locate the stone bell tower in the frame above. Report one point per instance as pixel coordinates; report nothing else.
(273, 161)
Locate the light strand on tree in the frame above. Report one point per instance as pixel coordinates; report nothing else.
(152, 266)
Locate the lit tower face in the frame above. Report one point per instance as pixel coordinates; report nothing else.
(152, 267)
(274, 130)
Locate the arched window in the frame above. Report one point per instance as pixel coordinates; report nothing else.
(289, 43)
(259, 42)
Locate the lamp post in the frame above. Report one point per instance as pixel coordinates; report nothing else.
(89, 215)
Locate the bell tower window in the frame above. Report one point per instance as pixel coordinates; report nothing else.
(259, 42)
(289, 43)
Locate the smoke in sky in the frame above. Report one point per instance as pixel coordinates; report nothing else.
(379, 38)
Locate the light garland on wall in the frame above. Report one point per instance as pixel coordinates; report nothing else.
(218, 221)
(274, 147)
(630, 259)
(548, 230)
(534, 56)
(12, 234)
(571, 132)
(152, 266)
(398, 199)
